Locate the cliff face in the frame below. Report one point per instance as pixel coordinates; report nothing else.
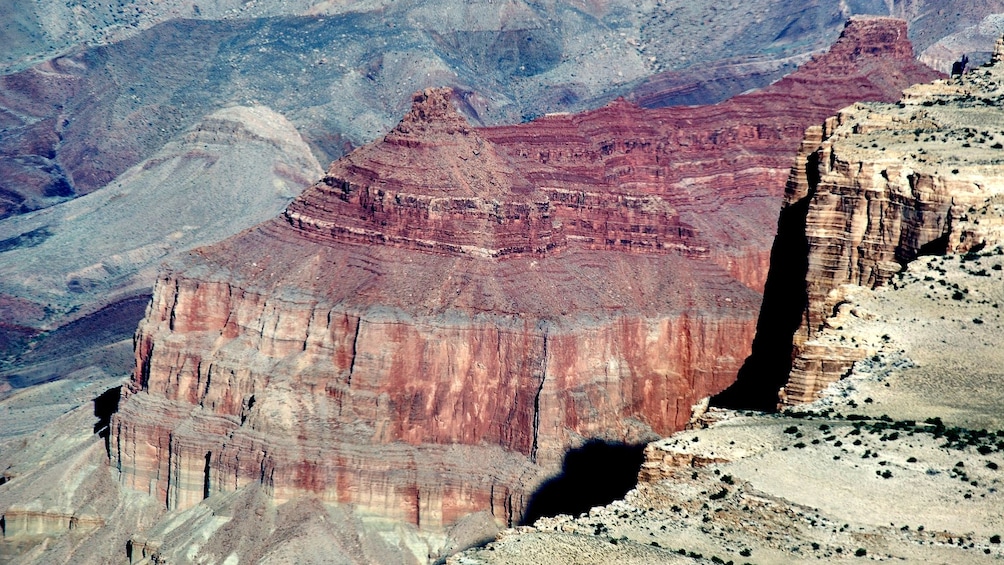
(884, 183)
(427, 330)
(720, 166)
(349, 347)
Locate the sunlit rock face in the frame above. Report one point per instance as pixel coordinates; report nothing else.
(422, 314)
(884, 183)
(430, 327)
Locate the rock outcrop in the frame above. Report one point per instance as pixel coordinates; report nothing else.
(86, 92)
(688, 155)
(883, 183)
(422, 311)
(427, 330)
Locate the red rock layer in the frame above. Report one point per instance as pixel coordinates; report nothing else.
(429, 328)
(722, 168)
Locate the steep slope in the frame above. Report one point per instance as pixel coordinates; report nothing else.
(236, 168)
(451, 299)
(873, 188)
(901, 459)
(62, 504)
(720, 166)
(425, 316)
(920, 177)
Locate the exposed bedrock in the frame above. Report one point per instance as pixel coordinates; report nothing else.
(373, 409)
(427, 330)
(426, 341)
(874, 187)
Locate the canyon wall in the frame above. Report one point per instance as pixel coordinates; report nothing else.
(881, 184)
(351, 347)
(427, 330)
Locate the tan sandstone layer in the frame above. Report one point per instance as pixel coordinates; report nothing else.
(883, 183)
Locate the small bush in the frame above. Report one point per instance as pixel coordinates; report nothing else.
(861, 552)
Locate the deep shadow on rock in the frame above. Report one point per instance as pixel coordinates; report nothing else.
(106, 404)
(766, 370)
(595, 474)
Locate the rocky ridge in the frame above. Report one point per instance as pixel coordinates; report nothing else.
(454, 295)
(900, 458)
(74, 265)
(77, 68)
(884, 184)
(392, 332)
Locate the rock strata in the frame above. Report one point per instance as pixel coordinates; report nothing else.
(884, 183)
(429, 328)
(395, 314)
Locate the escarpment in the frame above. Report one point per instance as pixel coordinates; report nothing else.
(428, 329)
(880, 184)
(427, 339)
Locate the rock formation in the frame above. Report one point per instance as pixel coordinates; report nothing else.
(78, 266)
(88, 90)
(883, 183)
(423, 310)
(425, 331)
(687, 154)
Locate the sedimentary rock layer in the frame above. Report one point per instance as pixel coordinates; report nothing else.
(428, 329)
(886, 183)
(719, 166)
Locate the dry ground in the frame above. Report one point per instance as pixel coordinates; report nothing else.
(899, 462)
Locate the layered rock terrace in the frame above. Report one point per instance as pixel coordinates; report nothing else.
(884, 183)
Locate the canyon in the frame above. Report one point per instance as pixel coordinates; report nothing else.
(885, 185)
(892, 410)
(77, 276)
(73, 72)
(451, 295)
(92, 90)
(422, 339)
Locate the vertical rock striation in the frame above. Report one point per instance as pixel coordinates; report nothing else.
(401, 329)
(429, 328)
